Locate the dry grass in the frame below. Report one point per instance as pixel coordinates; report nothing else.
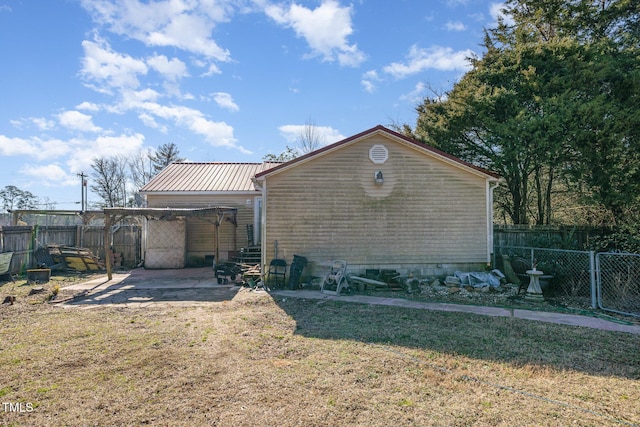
(259, 361)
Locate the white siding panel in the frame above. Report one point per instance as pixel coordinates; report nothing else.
(425, 212)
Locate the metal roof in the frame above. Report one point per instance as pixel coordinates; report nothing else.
(206, 177)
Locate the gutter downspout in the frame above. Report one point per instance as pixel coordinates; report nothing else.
(261, 184)
(491, 185)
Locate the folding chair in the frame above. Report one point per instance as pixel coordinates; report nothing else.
(277, 273)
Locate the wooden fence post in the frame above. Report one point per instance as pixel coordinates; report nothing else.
(107, 248)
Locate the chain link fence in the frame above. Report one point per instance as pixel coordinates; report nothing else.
(573, 283)
(583, 279)
(619, 282)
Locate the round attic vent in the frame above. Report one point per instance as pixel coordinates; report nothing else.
(378, 154)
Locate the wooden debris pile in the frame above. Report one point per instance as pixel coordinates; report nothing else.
(79, 259)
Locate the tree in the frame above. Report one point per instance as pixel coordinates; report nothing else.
(140, 169)
(14, 198)
(490, 119)
(164, 155)
(606, 129)
(110, 180)
(551, 101)
(285, 156)
(310, 138)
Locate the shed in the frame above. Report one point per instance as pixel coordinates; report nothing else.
(379, 200)
(167, 249)
(193, 185)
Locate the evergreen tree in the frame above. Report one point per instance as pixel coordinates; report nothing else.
(14, 198)
(553, 99)
(164, 156)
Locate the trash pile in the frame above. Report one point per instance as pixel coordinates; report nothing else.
(412, 282)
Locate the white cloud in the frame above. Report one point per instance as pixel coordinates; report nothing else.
(417, 95)
(224, 100)
(150, 121)
(369, 80)
(43, 124)
(213, 69)
(182, 24)
(36, 148)
(132, 99)
(88, 106)
(124, 145)
(327, 134)
(437, 57)
(85, 150)
(39, 122)
(105, 66)
(50, 175)
(455, 26)
(218, 134)
(172, 69)
(76, 120)
(325, 29)
(77, 152)
(119, 73)
(496, 11)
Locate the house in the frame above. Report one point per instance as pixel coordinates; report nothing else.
(379, 200)
(192, 239)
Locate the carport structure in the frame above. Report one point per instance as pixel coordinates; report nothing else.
(215, 214)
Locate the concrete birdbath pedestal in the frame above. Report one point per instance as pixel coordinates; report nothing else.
(534, 292)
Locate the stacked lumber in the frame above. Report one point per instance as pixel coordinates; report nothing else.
(79, 259)
(250, 270)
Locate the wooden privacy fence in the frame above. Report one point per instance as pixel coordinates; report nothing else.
(24, 240)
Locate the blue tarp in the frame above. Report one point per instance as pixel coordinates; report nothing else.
(479, 279)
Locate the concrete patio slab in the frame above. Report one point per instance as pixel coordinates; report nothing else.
(141, 288)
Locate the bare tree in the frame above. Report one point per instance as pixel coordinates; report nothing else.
(140, 169)
(110, 180)
(310, 138)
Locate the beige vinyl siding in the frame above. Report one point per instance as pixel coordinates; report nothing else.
(427, 212)
(201, 232)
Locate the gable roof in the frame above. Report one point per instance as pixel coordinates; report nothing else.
(446, 157)
(206, 177)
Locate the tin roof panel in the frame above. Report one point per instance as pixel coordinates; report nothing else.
(206, 177)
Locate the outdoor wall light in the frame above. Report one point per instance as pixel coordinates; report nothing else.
(377, 176)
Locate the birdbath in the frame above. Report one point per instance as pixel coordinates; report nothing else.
(534, 292)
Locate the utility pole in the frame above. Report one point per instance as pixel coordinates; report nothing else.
(83, 190)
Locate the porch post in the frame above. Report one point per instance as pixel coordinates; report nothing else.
(107, 248)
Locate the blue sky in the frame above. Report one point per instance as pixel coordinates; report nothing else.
(224, 80)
